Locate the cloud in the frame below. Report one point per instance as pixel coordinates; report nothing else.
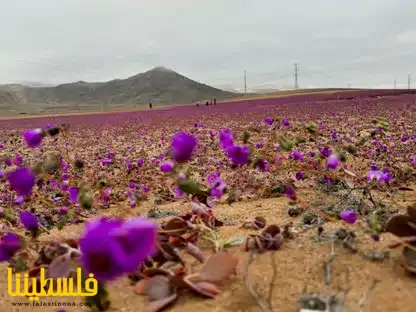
(336, 43)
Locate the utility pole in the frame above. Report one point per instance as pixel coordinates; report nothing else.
(245, 82)
(296, 75)
(408, 81)
(394, 83)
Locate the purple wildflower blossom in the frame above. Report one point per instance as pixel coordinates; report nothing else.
(238, 154)
(167, 166)
(111, 248)
(33, 137)
(22, 181)
(73, 194)
(332, 162)
(348, 216)
(299, 175)
(183, 146)
(268, 121)
(28, 220)
(9, 244)
(226, 139)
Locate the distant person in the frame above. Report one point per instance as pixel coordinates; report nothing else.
(206, 103)
(215, 101)
(150, 105)
(197, 104)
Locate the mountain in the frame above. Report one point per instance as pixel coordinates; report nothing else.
(159, 86)
(35, 84)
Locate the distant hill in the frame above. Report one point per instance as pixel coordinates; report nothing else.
(159, 86)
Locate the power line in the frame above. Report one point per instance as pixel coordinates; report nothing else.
(296, 76)
(245, 82)
(408, 81)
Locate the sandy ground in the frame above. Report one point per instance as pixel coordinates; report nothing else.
(299, 264)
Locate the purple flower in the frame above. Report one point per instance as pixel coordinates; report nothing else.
(413, 160)
(238, 154)
(348, 216)
(167, 166)
(212, 134)
(277, 147)
(19, 200)
(140, 162)
(22, 181)
(332, 162)
(63, 210)
(178, 192)
(106, 162)
(145, 188)
(9, 245)
(129, 165)
(28, 220)
(327, 180)
(299, 175)
(285, 123)
(33, 137)
(18, 160)
(259, 145)
(111, 248)
(102, 254)
(218, 188)
(73, 194)
(268, 121)
(212, 178)
(378, 175)
(64, 185)
(325, 152)
(375, 237)
(374, 175)
(290, 193)
(262, 165)
(183, 146)
(226, 139)
(296, 156)
(8, 162)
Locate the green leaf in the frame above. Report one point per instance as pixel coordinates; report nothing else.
(234, 241)
(63, 221)
(351, 149)
(86, 199)
(341, 156)
(189, 187)
(375, 224)
(246, 136)
(311, 127)
(99, 302)
(232, 196)
(285, 144)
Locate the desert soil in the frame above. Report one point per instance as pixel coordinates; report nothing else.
(299, 264)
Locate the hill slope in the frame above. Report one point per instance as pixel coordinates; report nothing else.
(159, 86)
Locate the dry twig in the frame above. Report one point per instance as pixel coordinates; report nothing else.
(264, 304)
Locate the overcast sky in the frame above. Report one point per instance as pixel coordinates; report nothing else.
(336, 43)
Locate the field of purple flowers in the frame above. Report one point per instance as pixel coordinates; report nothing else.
(234, 207)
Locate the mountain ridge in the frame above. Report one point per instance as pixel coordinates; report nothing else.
(159, 85)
